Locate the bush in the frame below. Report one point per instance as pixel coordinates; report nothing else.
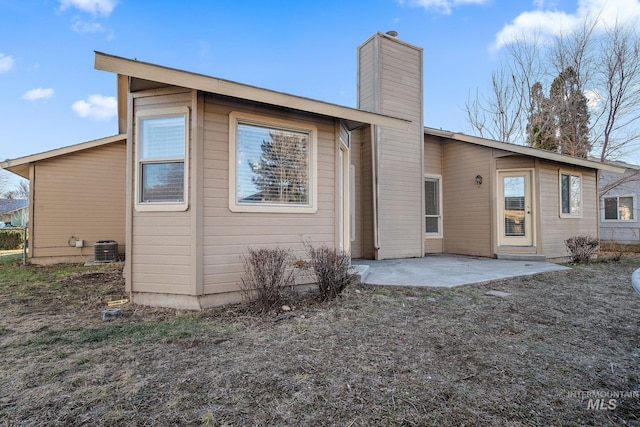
(10, 239)
(582, 248)
(268, 277)
(331, 270)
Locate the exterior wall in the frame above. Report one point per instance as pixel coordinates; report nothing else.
(621, 185)
(364, 194)
(160, 253)
(467, 206)
(433, 166)
(226, 234)
(390, 82)
(554, 229)
(507, 161)
(77, 196)
(358, 189)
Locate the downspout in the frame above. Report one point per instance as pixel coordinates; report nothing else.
(376, 189)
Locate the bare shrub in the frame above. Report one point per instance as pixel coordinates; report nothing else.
(331, 269)
(582, 248)
(268, 277)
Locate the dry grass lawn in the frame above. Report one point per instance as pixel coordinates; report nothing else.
(376, 357)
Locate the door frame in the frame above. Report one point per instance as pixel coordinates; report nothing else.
(529, 240)
(344, 197)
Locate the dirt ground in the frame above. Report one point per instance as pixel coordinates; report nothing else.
(563, 349)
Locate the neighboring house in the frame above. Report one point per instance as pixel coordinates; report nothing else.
(619, 204)
(14, 212)
(76, 193)
(214, 167)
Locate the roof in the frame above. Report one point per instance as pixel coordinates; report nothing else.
(171, 76)
(622, 164)
(20, 166)
(11, 205)
(524, 150)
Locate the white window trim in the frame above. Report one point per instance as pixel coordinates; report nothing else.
(570, 173)
(437, 235)
(625, 221)
(258, 120)
(161, 206)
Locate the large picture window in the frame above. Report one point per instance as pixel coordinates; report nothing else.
(271, 165)
(619, 208)
(161, 153)
(433, 206)
(570, 195)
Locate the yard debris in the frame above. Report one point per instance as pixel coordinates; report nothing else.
(111, 313)
(117, 303)
(499, 294)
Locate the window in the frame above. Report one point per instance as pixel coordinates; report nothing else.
(161, 153)
(271, 165)
(619, 208)
(432, 208)
(570, 195)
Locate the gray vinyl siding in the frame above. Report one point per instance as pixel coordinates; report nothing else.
(467, 206)
(78, 195)
(556, 229)
(161, 247)
(623, 185)
(226, 234)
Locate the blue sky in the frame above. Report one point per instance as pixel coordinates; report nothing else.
(51, 96)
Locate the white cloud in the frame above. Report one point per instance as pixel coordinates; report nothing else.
(95, 7)
(82, 27)
(6, 63)
(36, 94)
(441, 6)
(548, 23)
(594, 99)
(96, 106)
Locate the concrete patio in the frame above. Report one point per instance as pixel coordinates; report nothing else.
(446, 270)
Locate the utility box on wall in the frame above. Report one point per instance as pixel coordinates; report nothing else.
(106, 251)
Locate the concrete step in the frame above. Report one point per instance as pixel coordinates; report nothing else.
(522, 257)
(361, 270)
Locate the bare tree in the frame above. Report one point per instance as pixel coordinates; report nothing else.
(501, 114)
(606, 63)
(22, 189)
(618, 78)
(5, 181)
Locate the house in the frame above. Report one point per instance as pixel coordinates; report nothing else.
(77, 198)
(14, 212)
(619, 204)
(213, 167)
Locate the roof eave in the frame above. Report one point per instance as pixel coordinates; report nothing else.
(175, 77)
(527, 151)
(20, 165)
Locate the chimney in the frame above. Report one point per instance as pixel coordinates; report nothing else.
(390, 82)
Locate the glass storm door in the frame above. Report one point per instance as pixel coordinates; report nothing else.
(515, 213)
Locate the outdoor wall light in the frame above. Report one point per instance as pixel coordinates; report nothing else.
(478, 179)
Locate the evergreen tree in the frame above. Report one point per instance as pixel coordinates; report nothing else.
(540, 128)
(282, 174)
(571, 115)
